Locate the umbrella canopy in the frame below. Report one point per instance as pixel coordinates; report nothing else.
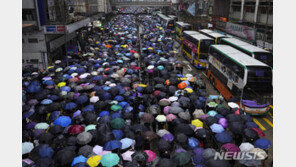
(164, 162)
(90, 127)
(217, 128)
(216, 162)
(64, 157)
(197, 123)
(112, 145)
(170, 117)
(126, 143)
(151, 155)
(85, 150)
(149, 135)
(184, 128)
(84, 138)
(182, 158)
(117, 123)
(140, 156)
(193, 142)
(162, 132)
(110, 159)
(127, 156)
(75, 129)
(147, 118)
(160, 118)
(168, 137)
(63, 121)
(262, 143)
(230, 148)
(79, 159)
(245, 147)
(223, 137)
(202, 133)
(27, 147)
(94, 161)
(236, 127)
(208, 153)
(260, 152)
(41, 125)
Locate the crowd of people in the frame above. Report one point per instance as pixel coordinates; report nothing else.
(118, 105)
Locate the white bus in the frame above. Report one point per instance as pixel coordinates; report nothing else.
(166, 21)
(212, 34)
(180, 28)
(249, 49)
(238, 76)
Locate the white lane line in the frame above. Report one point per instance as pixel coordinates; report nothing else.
(189, 68)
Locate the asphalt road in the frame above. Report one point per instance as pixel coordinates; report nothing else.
(264, 122)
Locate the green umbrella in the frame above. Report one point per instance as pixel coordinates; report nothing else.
(212, 104)
(116, 107)
(117, 123)
(109, 159)
(41, 125)
(181, 158)
(90, 127)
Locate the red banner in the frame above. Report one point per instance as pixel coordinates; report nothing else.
(190, 45)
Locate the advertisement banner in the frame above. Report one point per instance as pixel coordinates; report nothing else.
(241, 31)
(190, 45)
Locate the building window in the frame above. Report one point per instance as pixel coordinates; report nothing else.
(236, 8)
(34, 61)
(28, 15)
(250, 9)
(33, 40)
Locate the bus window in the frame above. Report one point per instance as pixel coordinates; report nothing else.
(204, 45)
(264, 57)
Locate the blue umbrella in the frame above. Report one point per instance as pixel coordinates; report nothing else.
(106, 88)
(89, 108)
(128, 108)
(54, 115)
(123, 104)
(46, 101)
(81, 99)
(46, 152)
(118, 134)
(63, 121)
(119, 98)
(76, 113)
(223, 137)
(49, 82)
(79, 159)
(116, 115)
(193, 142)
(112, 145)
(70, 106)
(103, 113)
(66, 88)
(126, 143)
(262, 143)
(28, 114)
(53, 97)
(105, 96)
(251, 125)
(33, 88)
(80, 70)
(217, 128)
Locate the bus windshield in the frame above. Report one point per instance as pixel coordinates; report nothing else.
(264, 57)
(204, 45)
(259, 78)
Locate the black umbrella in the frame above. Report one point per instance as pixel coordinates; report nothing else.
(89, 117)
(64, 157)
(139, 156)
(103, 138)
(85, 150)
(184, 128)
(223, 111)
(211, 120)
(182, 139)
(163, 145)
(132, 164)
(149, 135)
(71, 141)
(202, 133)
(105, 119)
(139, 128)
(250, 134)
(45, 138)
(44, 162)
(56, 129)
(236, 127)
(233, 118)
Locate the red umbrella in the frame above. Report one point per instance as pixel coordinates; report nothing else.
(75, 129)
(260, 133)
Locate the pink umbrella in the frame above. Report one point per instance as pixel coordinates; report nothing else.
(170, 117)
(28, 161)
(166, 110)
(127, 156)
(150, 154)
(260, 133)
(204, 116)
(99, 150)
(230, 148)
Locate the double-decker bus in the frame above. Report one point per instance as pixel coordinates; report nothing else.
(238, 76)
(180, 27)
(212, 34)
(249, 49)
(196, 47)
(167, 22)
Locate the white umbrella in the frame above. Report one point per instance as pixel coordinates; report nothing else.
(94, 99)
(161, 118)
(84, 75)
(198, 113)
(259, 152)
(150, 67)
(127, 156)
(94, 73)
(112, 85)
(57, 62)
(246, 146)
(162, 132)
(233, 105)
(27, 147)
(173, 98)
(74, 74)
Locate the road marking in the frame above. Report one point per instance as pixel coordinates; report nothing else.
(189, 68)
(259, 124)
(266, 120)
(270, 114)
(271, 106)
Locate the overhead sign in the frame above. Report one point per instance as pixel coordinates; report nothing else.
(55, 29)
(50, 29)
(241, 31)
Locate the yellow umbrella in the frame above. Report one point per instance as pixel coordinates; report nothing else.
(150, 48)
(197, 123)
(97, 48)
(189, 90)
(142, 85)
(94, 161)
(97, 42)
(61, 84)
(160, 28)
(183, 79)
(50, 67)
